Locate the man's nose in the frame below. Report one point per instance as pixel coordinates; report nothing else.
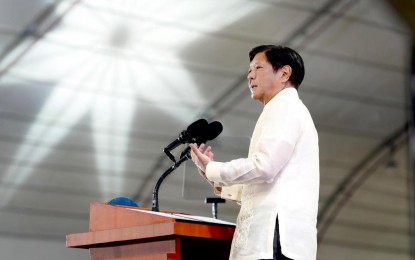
(250, 76)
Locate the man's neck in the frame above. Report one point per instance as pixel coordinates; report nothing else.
(264, 102)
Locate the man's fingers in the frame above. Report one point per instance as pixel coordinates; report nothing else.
(201, 147)
(195, 154)
(195, 150)
(211, 156)
(208, 150)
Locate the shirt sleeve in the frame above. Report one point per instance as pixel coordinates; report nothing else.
(231, 193)
(265, 164)
(273, 150)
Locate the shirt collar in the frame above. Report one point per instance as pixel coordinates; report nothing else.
(290, 93)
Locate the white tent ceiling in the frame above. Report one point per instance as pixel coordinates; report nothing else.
(92, 91)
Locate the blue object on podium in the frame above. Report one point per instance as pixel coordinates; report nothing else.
(123, 201)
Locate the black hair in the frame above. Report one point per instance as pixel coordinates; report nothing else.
(280, 56)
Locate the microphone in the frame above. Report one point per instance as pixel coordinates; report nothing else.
(198, 132)
(193, 131)
(214, 129)
(190, 135)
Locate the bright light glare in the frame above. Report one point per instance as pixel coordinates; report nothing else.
(103, 59)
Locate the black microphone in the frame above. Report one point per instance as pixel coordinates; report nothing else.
(190, 135)
(198, 132)
(213, 130)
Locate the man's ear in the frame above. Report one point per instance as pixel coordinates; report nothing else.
(286, 72)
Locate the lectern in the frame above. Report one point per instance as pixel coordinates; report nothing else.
(120, 232)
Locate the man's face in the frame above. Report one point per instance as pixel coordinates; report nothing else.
(263, 81)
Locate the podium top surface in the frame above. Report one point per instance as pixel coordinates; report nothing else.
(184, 217)
(104, 216)
(112, 224)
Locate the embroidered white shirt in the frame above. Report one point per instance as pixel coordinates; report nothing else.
(280, 176)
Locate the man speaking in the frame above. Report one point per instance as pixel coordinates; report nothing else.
(277, 185)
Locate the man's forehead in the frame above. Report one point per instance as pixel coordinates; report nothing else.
(260, 58)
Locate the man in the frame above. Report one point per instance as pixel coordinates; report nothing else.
(278, 184)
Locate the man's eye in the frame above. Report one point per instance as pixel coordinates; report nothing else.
(258, 67)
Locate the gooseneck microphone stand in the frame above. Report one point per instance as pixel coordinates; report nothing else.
(198, 132)
(185, 155)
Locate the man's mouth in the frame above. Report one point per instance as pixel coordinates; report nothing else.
(253, 86)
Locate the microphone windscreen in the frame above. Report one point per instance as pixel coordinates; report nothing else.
(214, 130)
(197, 128)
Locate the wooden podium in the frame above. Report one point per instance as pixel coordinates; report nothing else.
(119, 232)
